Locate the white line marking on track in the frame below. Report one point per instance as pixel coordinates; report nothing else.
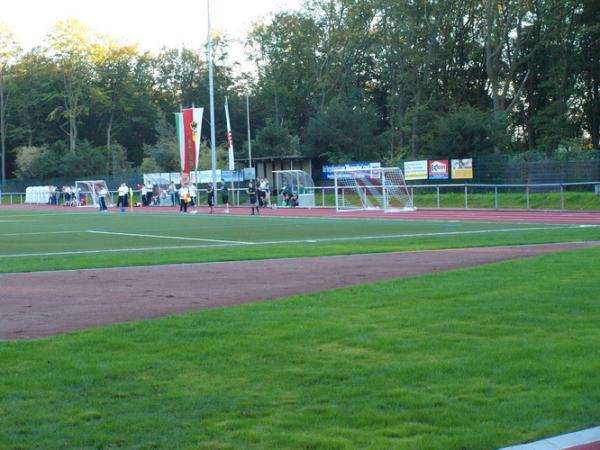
(180, 238)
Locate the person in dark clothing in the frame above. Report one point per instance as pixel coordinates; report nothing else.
(252, 196)
(210, 191)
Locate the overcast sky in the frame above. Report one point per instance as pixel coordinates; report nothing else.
(151, 23)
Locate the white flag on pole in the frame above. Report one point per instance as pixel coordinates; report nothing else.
(229, 137)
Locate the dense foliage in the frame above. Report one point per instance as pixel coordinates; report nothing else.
(338, 79)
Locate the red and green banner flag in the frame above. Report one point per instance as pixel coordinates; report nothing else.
(189, 126)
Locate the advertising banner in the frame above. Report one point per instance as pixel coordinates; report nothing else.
(415, 170)
(329, 168)
(462, 169)
(439, 169)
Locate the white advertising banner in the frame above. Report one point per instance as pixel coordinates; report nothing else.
(415, 170)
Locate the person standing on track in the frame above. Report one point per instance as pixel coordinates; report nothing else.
(184, 198)
(210, 192)
(102, 199)
(252, 196)
(193, 190)
(225, 196)
(122, 191)
(171, 191)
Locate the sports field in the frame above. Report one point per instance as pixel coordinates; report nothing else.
(33, 240)
(476, 358)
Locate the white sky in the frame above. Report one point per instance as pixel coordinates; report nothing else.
(150, 23)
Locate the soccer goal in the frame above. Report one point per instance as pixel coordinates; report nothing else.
(87, 193)
(379, 189)
(294, 188)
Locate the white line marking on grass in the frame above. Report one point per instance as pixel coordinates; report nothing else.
(48, 214)
(39, 232)
(400, 236)
(284, 242)
(180, 238)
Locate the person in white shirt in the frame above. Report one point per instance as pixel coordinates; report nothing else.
(102, 199)
(149, 193)
(67, 195)
(184, 198)
(171, 191)
(122, 192)
(193, 194)
(143, 193)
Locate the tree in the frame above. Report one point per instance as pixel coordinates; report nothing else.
(343, 132)
(9, 52)
(590, 69)
(114, 68)
(274, 140)
(72, 50)
(164, 155)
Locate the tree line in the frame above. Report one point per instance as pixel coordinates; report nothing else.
(340, 80)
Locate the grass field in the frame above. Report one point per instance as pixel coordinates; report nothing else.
(38, 240)
(471, 359)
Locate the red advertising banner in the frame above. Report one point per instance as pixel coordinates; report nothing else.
(439, 169)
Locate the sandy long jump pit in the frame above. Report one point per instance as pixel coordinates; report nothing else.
(47, 303)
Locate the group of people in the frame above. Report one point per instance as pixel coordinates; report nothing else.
(188, 197)
(67, 193)
(290, 198)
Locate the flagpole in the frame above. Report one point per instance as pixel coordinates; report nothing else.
(229, 143)
(249, 138)
(213, 149)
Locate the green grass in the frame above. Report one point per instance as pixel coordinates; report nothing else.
(472, 359)
(37, 240)
(484, 198)
(573, 201)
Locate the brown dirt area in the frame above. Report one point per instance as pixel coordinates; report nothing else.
(34, 305)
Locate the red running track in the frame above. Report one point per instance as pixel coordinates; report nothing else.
(473, 215)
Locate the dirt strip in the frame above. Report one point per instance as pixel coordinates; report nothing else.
(40, 304)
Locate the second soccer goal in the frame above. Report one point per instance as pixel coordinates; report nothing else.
(379, 189)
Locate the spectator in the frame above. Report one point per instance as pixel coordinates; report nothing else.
(102, 199)
(143, 191)
(149, 192)
(225, 196)
(122, 193)
(184, 199)
(210, 197)
(193, 195)
(252, 196)
(172, 191)
(67, 195)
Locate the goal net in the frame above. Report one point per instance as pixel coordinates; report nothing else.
(87, 193)
(294, 188)
(379, 189)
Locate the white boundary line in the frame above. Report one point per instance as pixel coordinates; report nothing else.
(181, 238)
(40, 233)
(563, 441)
(283, 242)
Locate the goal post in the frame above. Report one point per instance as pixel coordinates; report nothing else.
(294, 188)
(87, 193)
(382, 188)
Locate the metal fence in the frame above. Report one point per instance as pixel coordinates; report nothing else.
(542, 196)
